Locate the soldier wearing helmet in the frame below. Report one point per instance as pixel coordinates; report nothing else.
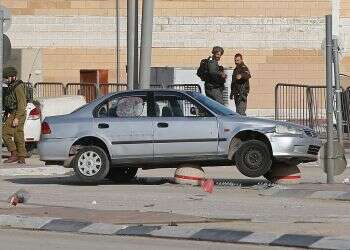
(15, 103)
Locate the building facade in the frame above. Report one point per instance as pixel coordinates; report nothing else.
(70, 40)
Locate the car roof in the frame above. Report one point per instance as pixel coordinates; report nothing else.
(151, 90)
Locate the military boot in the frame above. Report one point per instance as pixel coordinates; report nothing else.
(21, 160)
(13, 158)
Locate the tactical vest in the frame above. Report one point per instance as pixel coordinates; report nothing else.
(10, 100)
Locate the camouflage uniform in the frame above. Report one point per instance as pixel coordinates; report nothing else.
(15, 103)
(240, 88)
(215, 85)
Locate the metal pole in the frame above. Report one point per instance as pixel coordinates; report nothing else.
(335, 17)
(338, 92)
(146, 43)
(131, 42)
(117, 41)
(329, 73)
(136, 47)
(1, 68)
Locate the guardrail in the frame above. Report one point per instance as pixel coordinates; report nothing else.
(306, 105)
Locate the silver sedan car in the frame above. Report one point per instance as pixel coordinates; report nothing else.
(115, 135)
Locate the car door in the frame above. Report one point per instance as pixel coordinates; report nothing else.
(182, 128)
(124, 123)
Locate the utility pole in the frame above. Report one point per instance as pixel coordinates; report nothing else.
(131, 5)
(329, 83)
(146, 43)
(117, 41)
(136, 47)
(335, 17)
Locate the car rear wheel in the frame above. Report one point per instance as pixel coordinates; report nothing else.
(253, 158)
(91, 164)
(121, 174)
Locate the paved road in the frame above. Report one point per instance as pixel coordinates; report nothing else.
(149, 199)
(27, 240)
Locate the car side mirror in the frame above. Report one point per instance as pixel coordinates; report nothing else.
(194, 111)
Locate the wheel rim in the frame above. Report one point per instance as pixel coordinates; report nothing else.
(89, 163)
(254, 158)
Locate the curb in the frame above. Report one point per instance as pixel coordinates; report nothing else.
(35, 171)
(174, 232)
(306, 193)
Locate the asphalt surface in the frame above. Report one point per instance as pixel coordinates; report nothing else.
(27, 240)
(237, 203)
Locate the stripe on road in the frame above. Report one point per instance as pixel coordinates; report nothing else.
(62, 225)
(296, 240)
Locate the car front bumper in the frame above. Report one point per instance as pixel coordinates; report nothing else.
(55, 149)
(303, 149)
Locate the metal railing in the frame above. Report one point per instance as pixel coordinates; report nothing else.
(106, 88)
(291, 103)
(306, 105)
(48, 89)
(93, 90)
(89, 90)
(186, 87)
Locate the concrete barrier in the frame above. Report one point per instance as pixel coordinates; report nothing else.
(189, 174)
(284, 174)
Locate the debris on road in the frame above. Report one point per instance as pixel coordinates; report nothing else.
(149, 205)
(93, 202)
(346, 180)
(21, 196)
(207, 185)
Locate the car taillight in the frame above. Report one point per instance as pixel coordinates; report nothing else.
(45, 128)
(34, 114)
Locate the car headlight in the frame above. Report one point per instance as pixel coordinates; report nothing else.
(281, 129)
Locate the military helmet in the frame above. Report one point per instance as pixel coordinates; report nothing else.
(9, 72)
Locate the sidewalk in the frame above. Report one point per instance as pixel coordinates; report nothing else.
(33, 167)
(172, 231)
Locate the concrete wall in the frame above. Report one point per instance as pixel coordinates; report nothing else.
(280, 40)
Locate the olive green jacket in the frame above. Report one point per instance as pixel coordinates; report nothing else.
(21, 102)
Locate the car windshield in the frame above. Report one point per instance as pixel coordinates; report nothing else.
(212, 105)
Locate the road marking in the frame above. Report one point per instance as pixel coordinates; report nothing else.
(62, 225)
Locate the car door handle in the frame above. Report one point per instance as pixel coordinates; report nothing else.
(103, 125)
(162, 125)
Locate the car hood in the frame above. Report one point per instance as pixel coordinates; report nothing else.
(261, 122)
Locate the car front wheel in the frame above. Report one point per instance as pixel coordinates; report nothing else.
(91, 164)
(253, 158)
(121, 174)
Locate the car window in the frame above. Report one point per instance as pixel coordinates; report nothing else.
(212, 105)
(124, 107)
(177, 106)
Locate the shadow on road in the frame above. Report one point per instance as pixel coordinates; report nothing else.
(73, 181)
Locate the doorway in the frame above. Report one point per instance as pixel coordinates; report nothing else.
(90, 77)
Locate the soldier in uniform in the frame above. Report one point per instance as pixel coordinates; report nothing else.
(15, 103)
(240, 85)
(215, 82)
